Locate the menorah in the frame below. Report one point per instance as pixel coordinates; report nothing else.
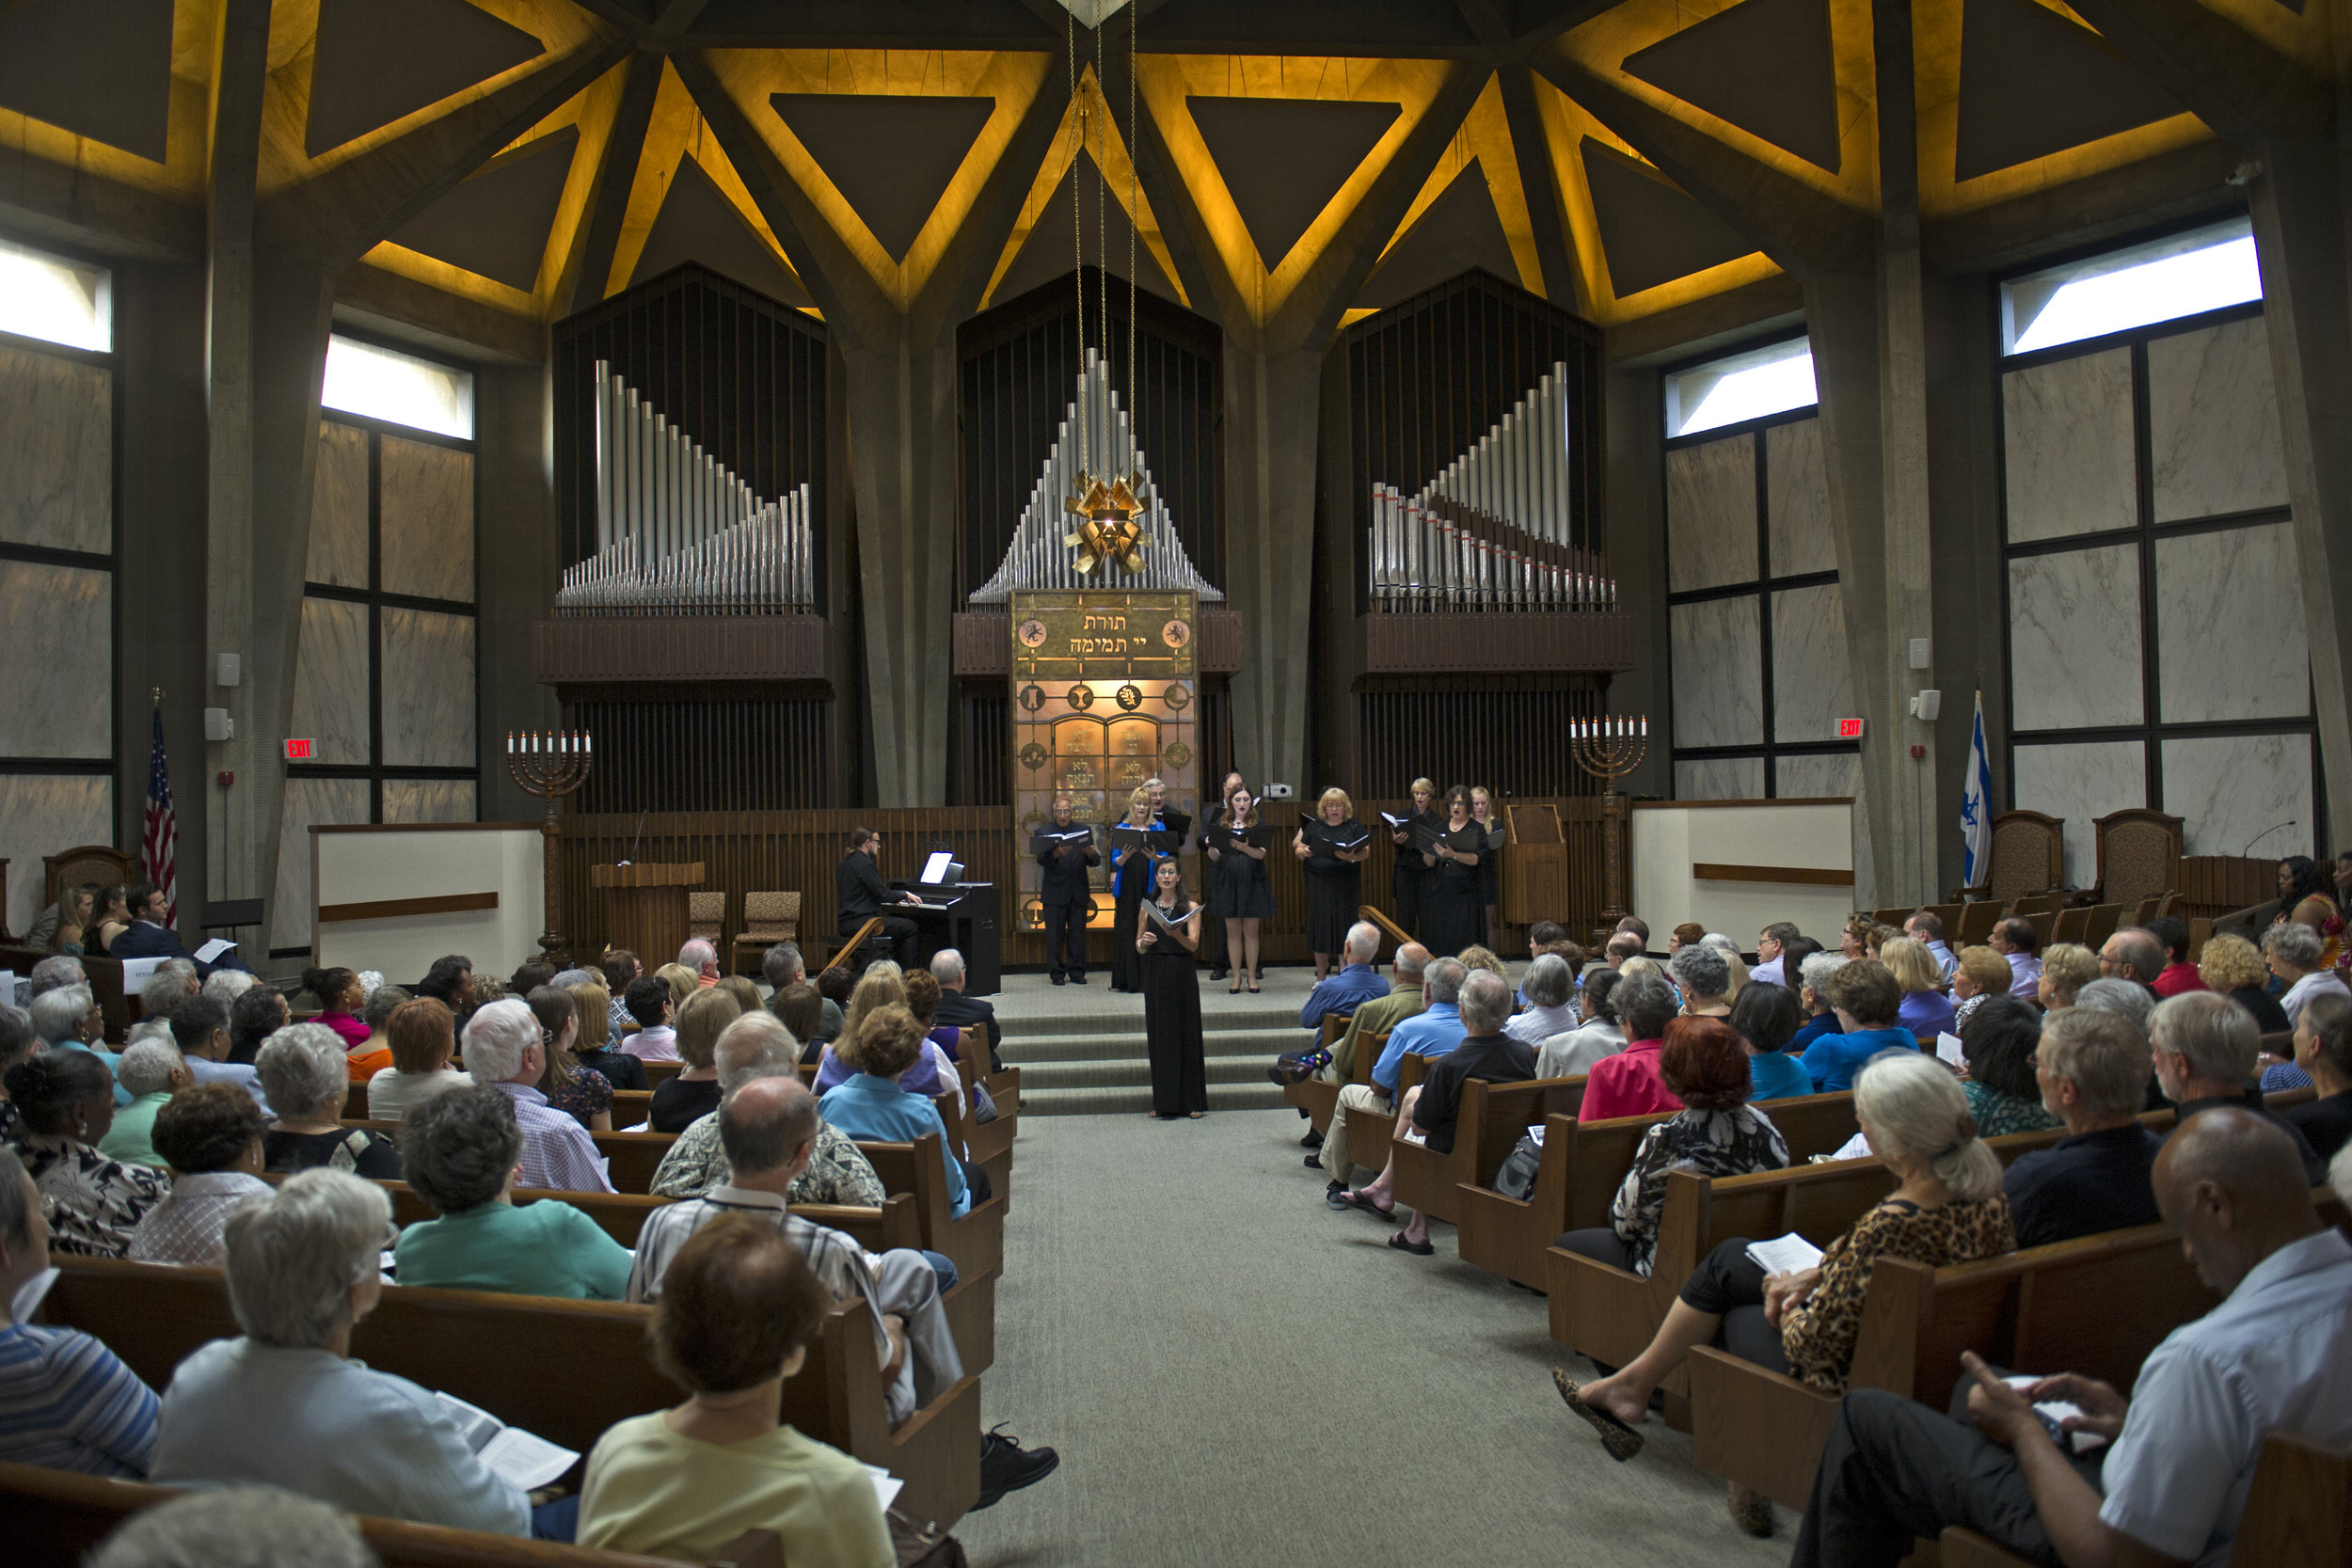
(1608, 749)
(551, 766)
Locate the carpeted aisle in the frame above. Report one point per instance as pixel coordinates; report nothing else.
(1236, 1375)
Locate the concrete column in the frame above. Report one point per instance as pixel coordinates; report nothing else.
(516, 569)
(1635, 544)
(1271, 400)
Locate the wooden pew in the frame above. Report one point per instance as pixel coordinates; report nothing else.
(1487, 1125)
(1370, 1130)
(957, 1119)
(658, 1073)
(988, 1139)
(1315, 1096)
(480, 1347)
(56, 1516)
(106, 985)
(630, 1107)
(975, 1243)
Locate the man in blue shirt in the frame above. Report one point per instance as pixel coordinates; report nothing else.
(1436, 1030)
(1353, 985)
(1865, 996)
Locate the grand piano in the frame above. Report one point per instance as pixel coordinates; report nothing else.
(959, 915)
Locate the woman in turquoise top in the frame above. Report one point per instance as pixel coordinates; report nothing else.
(461, 1150)
(1768, 1018)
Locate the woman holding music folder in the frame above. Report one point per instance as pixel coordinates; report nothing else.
(1170, 937)
(1452, 906)
(1135, 845)
(1408, 878)
(1239, 893)
(1488, 817)
(1333, 846)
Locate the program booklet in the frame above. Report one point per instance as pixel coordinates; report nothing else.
(1785, 1254)
(526, 1462)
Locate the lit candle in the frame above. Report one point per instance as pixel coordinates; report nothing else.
(588, 743)
(510, 743)
(1646, 726)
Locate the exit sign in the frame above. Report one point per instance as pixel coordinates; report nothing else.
(299, 750)
(1848, 729)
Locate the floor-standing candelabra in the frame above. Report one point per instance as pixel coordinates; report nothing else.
(1608, 749)
(551, 766)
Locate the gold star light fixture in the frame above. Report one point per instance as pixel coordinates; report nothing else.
(1108, 534)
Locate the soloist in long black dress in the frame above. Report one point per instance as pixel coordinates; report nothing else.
(1335, 889)
(1171, 1021)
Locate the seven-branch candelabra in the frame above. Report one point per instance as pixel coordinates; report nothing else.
(1608, 749)
(551, 764)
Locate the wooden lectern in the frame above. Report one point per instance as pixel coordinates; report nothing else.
(1536, 868)
(646, 911)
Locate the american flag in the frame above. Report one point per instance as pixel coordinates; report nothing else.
(159, 846)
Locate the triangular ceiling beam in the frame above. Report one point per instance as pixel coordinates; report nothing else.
(376, 61)
(1769, 67)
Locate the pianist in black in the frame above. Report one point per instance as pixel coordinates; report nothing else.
(857, 883)
(1067, 900)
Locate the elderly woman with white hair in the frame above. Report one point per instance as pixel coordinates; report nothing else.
(2294, 952)
(302, 1072)
(153, 1071)
(506, 1046)
(1703, 976)
(1549, 989)
(286, 1405)
(66, 1018)
(1733, 961)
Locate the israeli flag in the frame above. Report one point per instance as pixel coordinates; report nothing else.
(1975, 806)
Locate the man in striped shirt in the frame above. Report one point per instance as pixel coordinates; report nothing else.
(506, 1048)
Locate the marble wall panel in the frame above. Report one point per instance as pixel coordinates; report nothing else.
(1812, 675)
(1718, 673)
(339, 508)
(1796, 501)
(42, 814)
(2213, 422)
(428, 676)
(1720, 779)
(308, 800)
(2073, 629)
(2229, 641)
(429, 800)
(2228, 792)
(59, 699)
(2067, 434)
(330, 702)
(1819, 777)
(56, 453)
(427, 515)
(1711, 514)
(2081, 781)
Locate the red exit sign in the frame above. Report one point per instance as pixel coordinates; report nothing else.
(1850, 729)
(299, 750)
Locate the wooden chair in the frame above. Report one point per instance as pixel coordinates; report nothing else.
(1894, 917)
(988, 1139)
(2147, 910)
(2139, 851)
(768, 918)
(2071, 925)
(632, 1158)
(2106, 919)
(102, 864)
(1976, 923)
(707, 917)
(2028, 854)
(2044, 928)
(2199, 930)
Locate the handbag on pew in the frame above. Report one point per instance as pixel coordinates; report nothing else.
(918, 1544)
(1517, 1178)
(983, 1103)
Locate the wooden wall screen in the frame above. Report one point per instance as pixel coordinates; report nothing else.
(693, 752)
(1511, 737)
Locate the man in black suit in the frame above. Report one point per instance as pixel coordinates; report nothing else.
(1067, 899)
(148, 937)
(959, 1011)
(859, 886)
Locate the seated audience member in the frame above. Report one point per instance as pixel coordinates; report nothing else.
(2233, 966)
(1875, 947)
(1685, 935)
(757, 1046)
(1627, 1084)
(1478, 955)
(1719, 1133)
(741, 1307)
(594, 1049)
(65, 1102)
(1867, 1001)
(836, 983)
(17, 1041)
(173, 982)
(1348, 987)
(653, 1008)
(1619, 947)
(1549, 990)
(1704, 980)
(923, 994)
(1925, 1011)
(1813, 992)
(55, 973)
(462, 1154)
(212, 1137)
(285, 1405)
(1997, 1042)
(583, 1096)
(1429, 1021)
(1431, 1107)
(148, 937)
(1981, 973)
(58, 926)
(746, 994)
(2067, 967)
(1927, 929)
(884, 984)
(256, 1014)
(1946, 1208)
(1408, 997)
(2132, 954)
(65, 1402)
(1735, 963)
(619, 967)
(307, 1130)
(694, 1092)
(1767, 1018)
(2094, 1068)
(2015, 939)
(2126, 999)
(529, 976)
(2178, 974)
(341, 997)
(226, 985)
(682, 981)
(504, 1047)
(799, 1008)
(2294, 953)
(2206, 1047)
(203, 1029)
(960, 1010)
(153, 1071)
(109, 920)
(2323, 1049)
(699, 957)
(1634, 926)
(451, 982)
(1597, 1034)
(246, 1526)
(1431, 1031)
(67, 1019)
(422, 1040)
(1770, 957)
(783, 967)
(374, 1053)
(871, 1106)
(2171, 1483)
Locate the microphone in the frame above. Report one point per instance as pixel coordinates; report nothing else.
(640, 837)
(2263, 834)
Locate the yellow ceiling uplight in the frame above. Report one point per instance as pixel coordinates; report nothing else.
(1109, 151)
(1167, 80)
(750, 76)
(1485, 139)
(187, 135)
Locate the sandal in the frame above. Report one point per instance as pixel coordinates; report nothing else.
(1621, 1440)
(1751, 1511)
(1357, 1200)
(1418, 1249)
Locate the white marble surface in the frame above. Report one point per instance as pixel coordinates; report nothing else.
(41, 813)
(1710, 513)
(2226, 791)
(56, 452)
(1796, 501)
(2213, 422)
(308, 800)
(429, 698)
(2082, 782)
(2067, 430)
(428, 800)
(330, 700)
(1812, 674)
(2229, 641)
(59, 699)
(2074, 638)
(1718, 675)
(1720, 779)
(1810, 778)
(339, 508)
(427, 515)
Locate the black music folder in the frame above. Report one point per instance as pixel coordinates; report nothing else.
(1126, 836)
(1225, 835)
(1325, 841)
(1050, 839)
(1159, 916)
